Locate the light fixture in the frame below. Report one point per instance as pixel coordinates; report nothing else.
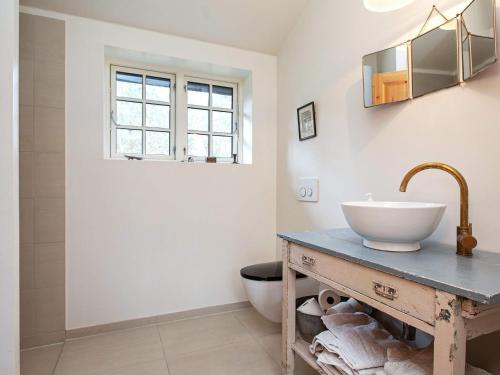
(385, 5)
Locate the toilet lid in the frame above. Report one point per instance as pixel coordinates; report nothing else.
(272, 271)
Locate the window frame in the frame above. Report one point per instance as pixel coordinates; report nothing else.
(114, 126)
(234, 135)
(179, 118)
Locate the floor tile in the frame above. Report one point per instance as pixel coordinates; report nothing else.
(242, 358)
(40, 361)
(110, 351)
(158, 367)
(191, 335)
(256, 324)
(272, 345)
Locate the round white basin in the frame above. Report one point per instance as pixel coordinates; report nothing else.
(393, 226)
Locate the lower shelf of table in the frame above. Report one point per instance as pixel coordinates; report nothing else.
(301, 348)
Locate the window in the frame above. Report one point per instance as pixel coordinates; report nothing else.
(144, 112)
(212, 122)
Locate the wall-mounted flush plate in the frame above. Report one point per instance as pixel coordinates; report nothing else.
(307, 189)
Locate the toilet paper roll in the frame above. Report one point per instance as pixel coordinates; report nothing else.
(328, 298)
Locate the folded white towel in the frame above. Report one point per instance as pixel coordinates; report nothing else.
(358, 339)
(332, 364)
(406, 361)
(350, 306)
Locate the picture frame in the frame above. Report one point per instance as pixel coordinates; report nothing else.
(306, 118)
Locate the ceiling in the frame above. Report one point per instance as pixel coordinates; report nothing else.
(258, 25)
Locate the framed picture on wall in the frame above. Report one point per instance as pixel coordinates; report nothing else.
(307, 121)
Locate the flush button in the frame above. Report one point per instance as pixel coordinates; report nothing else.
(307, 189)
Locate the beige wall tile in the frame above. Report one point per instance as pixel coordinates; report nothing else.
(49, 305)
(49, 252)
(40, 361)
(49, 84)
(27, 267)
(26, 174)
(49, 220)
(26, 36)
(27, 276)
(49, 274)
(26, 128)
(26, 82)
(27, 313)
(49, 39)
(49, 175)
(49, 129)
(27, 220)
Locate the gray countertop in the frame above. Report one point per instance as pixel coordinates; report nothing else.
(435, 265)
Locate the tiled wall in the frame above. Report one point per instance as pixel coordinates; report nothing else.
(42, 181)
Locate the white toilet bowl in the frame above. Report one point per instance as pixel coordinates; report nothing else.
(263, 284)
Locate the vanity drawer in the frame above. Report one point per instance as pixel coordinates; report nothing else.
(404, 295)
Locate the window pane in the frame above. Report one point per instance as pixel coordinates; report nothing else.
(158, 116)
(222, 97)
(198, 119)
(223, 147)
(129, 85)
(158, 89)
(128, 141)
(198, 93)
(222, 122)
(128, 113)
(157, 143)
(197, 145)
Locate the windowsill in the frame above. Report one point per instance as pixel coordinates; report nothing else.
(196, 162)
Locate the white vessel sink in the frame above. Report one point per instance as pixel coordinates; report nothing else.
(393, 226)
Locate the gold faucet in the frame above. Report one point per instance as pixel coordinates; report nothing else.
(465, 241)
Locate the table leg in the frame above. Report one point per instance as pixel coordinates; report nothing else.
(288, 324)
(450, 336)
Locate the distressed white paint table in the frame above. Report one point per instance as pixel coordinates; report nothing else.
(450, 297)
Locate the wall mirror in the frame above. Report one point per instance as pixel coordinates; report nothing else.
(385, 76)
(435, 59)
(478, 37)
(445, 53)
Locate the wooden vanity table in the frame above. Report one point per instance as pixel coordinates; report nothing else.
(451, 297)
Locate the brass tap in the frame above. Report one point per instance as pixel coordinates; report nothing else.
(465, 241)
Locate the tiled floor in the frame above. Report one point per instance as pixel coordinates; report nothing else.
(240, 342)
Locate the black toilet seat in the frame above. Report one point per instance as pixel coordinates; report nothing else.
(272, 271)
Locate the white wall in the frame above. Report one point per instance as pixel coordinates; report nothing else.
(9, 186)
(369, 150)
(148, 238)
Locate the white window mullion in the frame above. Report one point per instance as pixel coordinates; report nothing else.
(182, 119)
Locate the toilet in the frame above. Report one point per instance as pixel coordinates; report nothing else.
(263, 284)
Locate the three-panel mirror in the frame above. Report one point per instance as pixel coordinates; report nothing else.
(453, 52)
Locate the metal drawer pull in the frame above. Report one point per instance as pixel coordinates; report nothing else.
(385, 290)
(308, 261)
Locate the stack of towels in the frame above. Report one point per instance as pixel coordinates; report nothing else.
(356, 344)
